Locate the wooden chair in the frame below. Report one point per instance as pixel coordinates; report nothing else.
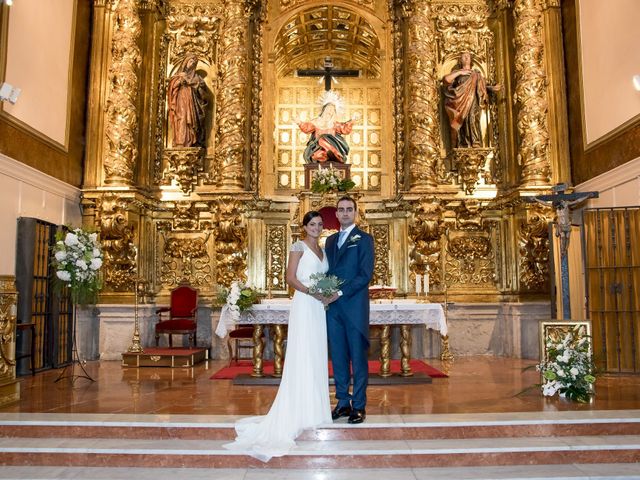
(238, 338)
(183, 311)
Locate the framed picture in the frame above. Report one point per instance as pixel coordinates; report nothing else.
(555, 331)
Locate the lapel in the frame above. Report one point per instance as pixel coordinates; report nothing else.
(341, 250)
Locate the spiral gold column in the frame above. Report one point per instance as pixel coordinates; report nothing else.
(531, 93)
(385, 351)
(278, 350)
(405, 348)
(422, 92)
(258, 350)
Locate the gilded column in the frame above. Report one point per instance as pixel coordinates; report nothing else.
(99, 68)
(122, 117)
(556, 93)
(531, 93)
(422, 91)
(258, 17)
(399, 13)
(232, 98)
(9, 387)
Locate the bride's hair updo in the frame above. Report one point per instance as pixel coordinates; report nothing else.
(310, 215)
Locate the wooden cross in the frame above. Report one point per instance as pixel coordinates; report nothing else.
(327, 73)
(561, 201)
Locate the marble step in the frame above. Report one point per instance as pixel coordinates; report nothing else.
(522, 472)
(398, 427)
(117, 452)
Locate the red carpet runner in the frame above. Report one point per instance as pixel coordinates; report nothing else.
(245, 367)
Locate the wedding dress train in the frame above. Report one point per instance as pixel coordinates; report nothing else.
(302, 400)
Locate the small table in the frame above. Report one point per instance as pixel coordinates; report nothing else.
(385, 313)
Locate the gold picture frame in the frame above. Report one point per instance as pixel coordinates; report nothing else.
(557, 329)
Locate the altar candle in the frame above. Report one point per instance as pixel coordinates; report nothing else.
(426, 283)
(418, 284)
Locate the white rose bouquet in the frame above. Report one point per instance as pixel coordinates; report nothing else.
(568, 369)
(77, 258)
(238, 298)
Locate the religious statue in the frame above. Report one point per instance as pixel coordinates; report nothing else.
(187, 96)
(327, 141)
(466, 94)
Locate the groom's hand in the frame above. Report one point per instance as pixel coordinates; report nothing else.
(332, 298)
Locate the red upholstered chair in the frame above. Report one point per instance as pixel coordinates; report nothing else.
(242, 339)
(182, 311)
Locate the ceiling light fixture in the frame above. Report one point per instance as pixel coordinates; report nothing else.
(636, 82)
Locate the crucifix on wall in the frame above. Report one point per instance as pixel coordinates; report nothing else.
(561, 202)
(328, 72)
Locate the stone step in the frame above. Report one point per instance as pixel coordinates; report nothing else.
(522, 472)
(405, 427)
(116, 452)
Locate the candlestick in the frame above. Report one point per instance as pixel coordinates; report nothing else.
(269, 277)
(418, 284)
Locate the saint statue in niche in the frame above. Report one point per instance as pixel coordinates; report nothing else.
(187, 96)
(466, 95)
(326, 141)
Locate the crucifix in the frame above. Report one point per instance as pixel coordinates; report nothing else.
(561, 201)
(328, 72)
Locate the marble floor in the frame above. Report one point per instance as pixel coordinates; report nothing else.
(478, 389)
(481, 384)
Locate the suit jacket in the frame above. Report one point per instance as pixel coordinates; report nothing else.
(352, 263)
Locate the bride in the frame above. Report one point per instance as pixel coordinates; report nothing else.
(303, 397)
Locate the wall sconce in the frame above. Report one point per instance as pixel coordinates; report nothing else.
(9, 93)
(636, 82)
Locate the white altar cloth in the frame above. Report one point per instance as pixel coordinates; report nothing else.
(383, 312)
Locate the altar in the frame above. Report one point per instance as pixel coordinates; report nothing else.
(274, 313)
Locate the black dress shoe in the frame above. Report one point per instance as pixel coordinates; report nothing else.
(338, 412)
(357, 416)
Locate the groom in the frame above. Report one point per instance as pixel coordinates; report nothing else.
(350, 255)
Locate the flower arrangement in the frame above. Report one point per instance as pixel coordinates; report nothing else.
(568, 368)
(238, 298)
(325, 285)
(77, 258)
(328, 180)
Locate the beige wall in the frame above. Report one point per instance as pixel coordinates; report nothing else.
(610, 56)
(39, 62)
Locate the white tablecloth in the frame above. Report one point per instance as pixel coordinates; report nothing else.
(390, 312)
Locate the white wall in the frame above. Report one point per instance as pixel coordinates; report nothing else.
(609, 57)
(39, 56)
(619, 187)
(26, 192)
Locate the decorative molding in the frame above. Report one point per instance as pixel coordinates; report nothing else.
(625, 173)
(26, 174)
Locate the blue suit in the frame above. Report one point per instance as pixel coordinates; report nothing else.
(348, 316)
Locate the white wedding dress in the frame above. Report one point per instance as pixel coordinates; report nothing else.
(302, 401)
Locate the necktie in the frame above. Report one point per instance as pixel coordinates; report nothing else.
(341, 238)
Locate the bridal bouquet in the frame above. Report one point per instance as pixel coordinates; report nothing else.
(325, 285)
(328, 180)
(77, 258)
(568, 369)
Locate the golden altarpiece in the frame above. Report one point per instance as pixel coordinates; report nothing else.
(229, 207)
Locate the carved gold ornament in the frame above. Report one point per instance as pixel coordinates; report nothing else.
(122, 118)
(531, 93)
(117, 238)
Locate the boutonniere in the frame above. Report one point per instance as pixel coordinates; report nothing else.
(354, 238)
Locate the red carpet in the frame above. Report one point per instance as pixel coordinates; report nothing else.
(245, 367)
